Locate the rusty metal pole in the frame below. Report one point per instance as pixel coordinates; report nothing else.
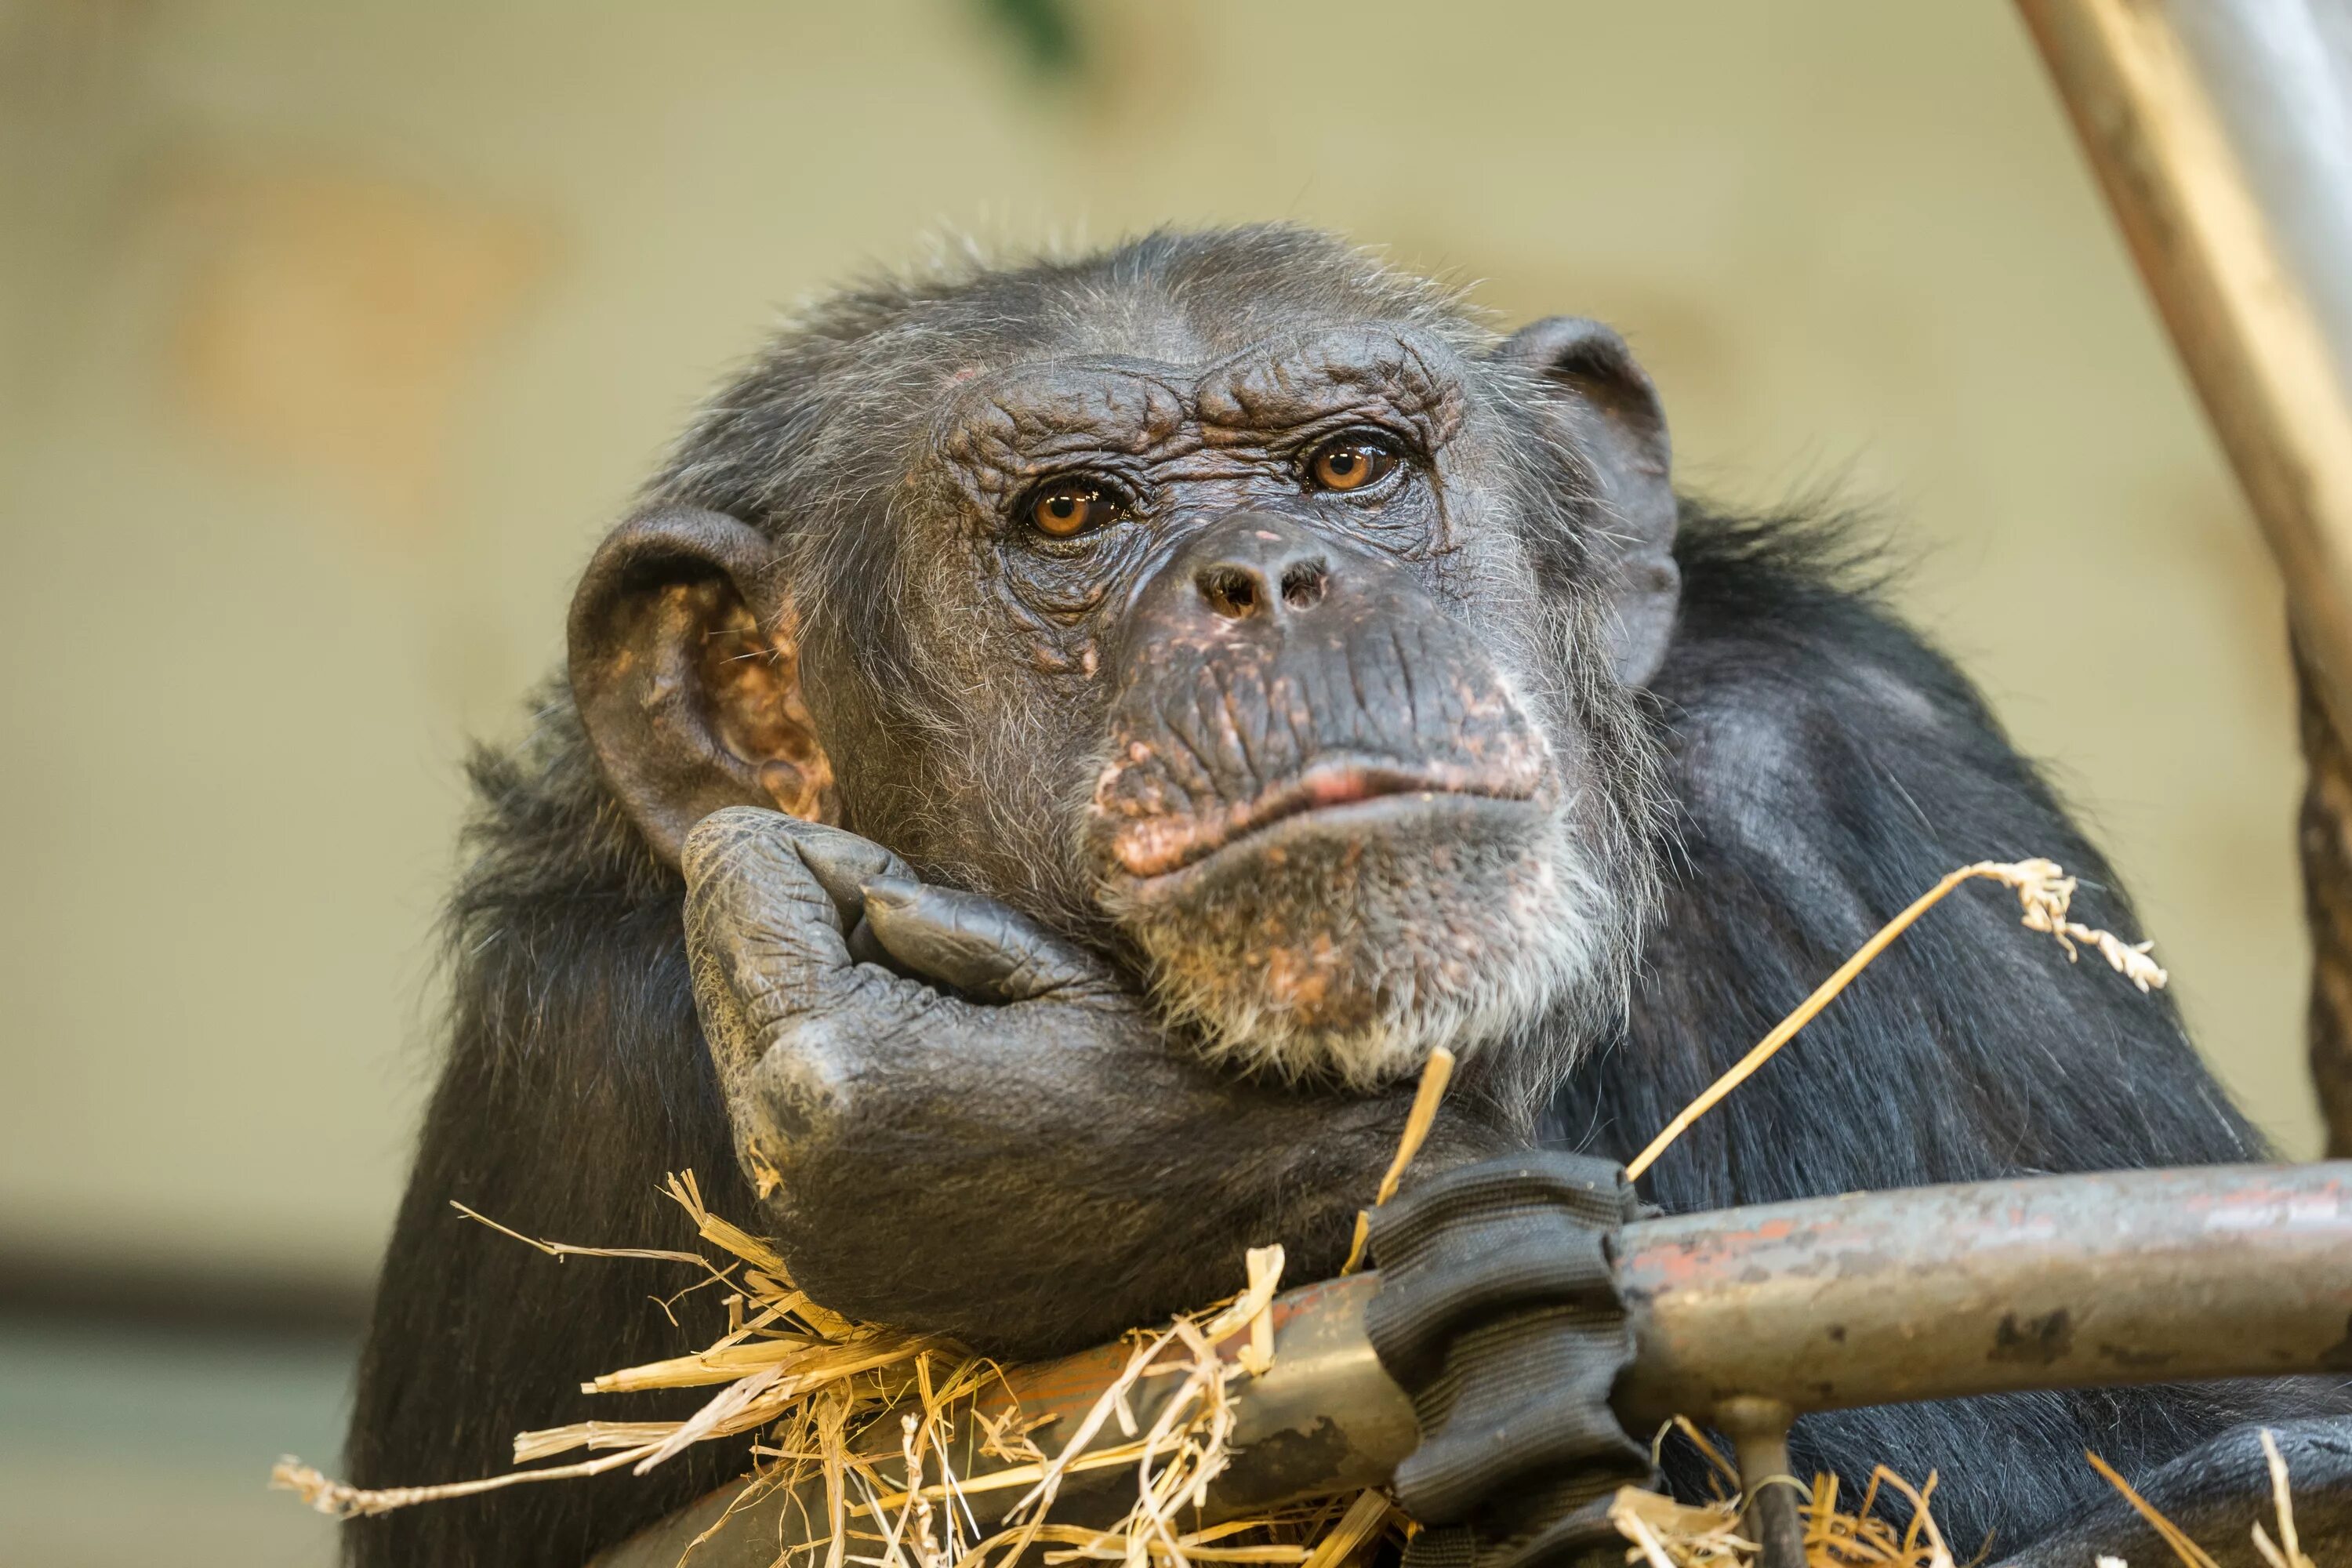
(2221, 132)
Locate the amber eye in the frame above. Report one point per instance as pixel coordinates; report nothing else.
(1351, 462)
(1070, 507)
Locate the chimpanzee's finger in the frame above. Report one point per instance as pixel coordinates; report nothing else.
(845, 863)
(763, 933)
(977, 945)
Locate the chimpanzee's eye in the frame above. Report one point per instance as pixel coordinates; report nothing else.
(1067, 508)
(1352, 462)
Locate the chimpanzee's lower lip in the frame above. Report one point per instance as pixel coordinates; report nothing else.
(1326, 795)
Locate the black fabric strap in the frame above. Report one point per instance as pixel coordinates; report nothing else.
(1498, 1313)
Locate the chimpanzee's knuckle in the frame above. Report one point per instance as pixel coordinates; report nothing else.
(824, 836)
(720, 839)
(745, 880)
(745, 931)
(804, 1087)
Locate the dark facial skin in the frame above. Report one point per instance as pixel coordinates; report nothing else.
(1261, 599)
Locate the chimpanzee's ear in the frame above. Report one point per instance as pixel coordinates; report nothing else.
(1612, 417)
(686, 675)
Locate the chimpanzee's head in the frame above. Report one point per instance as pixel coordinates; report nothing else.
(1228, 599)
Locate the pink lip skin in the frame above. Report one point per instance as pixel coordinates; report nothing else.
(1156, 845)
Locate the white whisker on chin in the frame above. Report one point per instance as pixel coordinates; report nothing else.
(1541, 953)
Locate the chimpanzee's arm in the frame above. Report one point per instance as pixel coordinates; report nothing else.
(1030, 1172)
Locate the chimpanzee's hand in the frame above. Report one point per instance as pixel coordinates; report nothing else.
(1005, 1147)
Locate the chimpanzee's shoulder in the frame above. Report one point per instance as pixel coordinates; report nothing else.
(1793, 686)
(1796, 599)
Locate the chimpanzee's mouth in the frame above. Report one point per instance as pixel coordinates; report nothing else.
(1157, 846)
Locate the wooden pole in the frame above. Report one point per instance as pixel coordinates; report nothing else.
(2242, 319)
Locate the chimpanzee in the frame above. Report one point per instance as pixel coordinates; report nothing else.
(1098, 724)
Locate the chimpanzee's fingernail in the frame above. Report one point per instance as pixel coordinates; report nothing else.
(893, 892)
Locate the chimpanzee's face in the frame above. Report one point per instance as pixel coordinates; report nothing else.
(1247, 661)
(1235, 603)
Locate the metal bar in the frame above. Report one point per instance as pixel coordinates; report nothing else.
(1941, 1292)
(1758, 1429)
(1877, 1298)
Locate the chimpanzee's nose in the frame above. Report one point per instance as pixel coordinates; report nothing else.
(1267, 585)
(1258, 564)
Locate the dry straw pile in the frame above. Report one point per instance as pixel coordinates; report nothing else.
(828, 1394)
(875, 1413)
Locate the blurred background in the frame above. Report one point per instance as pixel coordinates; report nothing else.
(331, 337)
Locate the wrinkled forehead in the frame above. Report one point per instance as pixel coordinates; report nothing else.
(1133, 403)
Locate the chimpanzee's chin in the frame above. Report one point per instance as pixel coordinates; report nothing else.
(1340, 945)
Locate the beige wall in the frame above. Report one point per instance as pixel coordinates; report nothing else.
(334, 333)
